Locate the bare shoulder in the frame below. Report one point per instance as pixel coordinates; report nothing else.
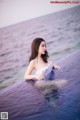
(32, 62)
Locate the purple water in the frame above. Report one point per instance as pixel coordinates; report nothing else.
(61, 31)
(25, 101)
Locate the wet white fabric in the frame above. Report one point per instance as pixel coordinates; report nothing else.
(41, 70)
(47, 72)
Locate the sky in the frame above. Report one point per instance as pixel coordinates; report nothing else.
(15, 11)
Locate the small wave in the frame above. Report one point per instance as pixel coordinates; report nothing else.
(76, 29)
(4, 54)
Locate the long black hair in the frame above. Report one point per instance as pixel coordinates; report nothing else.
(34, 50)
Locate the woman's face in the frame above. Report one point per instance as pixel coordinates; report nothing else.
(42, 48)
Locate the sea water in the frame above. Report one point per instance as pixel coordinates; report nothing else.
(61, 31)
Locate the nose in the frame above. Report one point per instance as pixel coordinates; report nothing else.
(44, 47)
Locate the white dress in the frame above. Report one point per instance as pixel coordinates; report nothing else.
(47, 83)
(47, 72)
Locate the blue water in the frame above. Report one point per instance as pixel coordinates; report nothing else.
(63, 104)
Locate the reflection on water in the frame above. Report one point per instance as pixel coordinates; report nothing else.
(51, 99)
(26, 102)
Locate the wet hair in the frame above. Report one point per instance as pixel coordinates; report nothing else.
(34, 50)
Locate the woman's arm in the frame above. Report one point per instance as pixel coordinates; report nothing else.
(29, 70)
(55, 67)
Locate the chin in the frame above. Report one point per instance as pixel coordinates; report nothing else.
(43, 53)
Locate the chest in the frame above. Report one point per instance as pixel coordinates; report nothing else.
(40, 65)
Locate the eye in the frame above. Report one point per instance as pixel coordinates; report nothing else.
(43, 45)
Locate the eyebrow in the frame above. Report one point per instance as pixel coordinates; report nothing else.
(43, 44)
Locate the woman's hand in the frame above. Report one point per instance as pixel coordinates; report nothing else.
(39, 77)
(56, 67)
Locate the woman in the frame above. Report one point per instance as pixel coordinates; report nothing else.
(39, 61)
